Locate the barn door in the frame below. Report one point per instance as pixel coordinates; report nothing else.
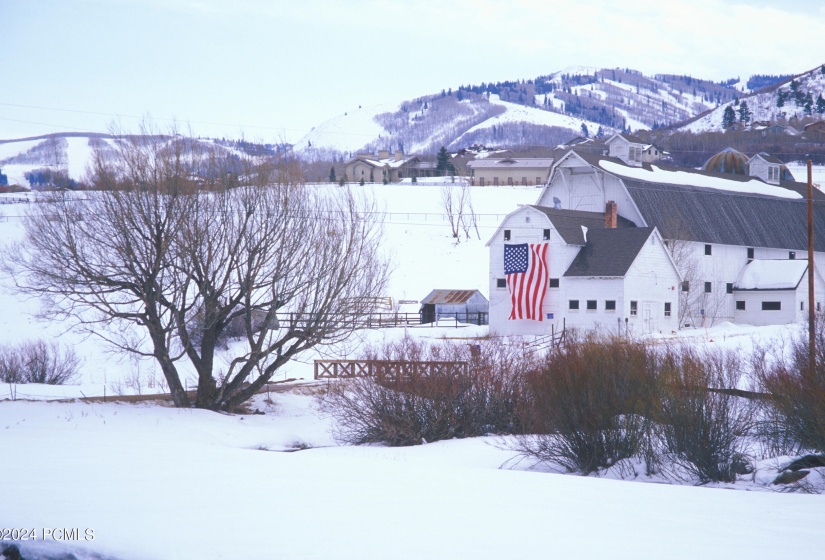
(647, 316)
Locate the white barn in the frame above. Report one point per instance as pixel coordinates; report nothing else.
(713, 225)
(601, 272)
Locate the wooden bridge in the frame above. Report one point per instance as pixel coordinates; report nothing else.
(387, 370)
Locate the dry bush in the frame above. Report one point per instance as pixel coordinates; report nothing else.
(38, 362)
(481, 398)
(704, 431)
(589, 405)
(793, 419)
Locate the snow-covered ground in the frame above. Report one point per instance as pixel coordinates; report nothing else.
(153, 482)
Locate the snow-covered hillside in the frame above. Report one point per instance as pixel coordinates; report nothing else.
(765, 106)
(546, 110)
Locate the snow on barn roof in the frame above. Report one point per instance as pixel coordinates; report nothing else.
(449, 296)
(771, 275)
(690, 178)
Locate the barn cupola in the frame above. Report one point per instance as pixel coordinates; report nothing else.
(626, 148)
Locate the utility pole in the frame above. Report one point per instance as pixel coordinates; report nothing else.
(811, 314)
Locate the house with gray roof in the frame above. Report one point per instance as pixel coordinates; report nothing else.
(509, 171)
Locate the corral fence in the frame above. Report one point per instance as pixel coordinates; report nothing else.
(387, 370)
(381, 320)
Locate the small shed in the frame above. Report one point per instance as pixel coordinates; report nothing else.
(465, 306)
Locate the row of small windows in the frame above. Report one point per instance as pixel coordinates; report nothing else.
(524, 182)
(751, 252)
(610, 305)
(545, 234)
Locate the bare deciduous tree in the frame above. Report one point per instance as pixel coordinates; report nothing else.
(184, 241)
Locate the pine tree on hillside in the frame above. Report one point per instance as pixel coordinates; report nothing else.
(729, 117)
(744, 113)
(820, 104)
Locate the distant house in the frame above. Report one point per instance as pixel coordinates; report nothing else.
(466, 306)
(510, 171)
(815, 129)
(385, 167)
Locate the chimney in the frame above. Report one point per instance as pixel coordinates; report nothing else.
(399, 155)
(610, 215)
(383, 154)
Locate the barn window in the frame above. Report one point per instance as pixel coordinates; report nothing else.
(791, 255)
(573, 304)
(554, 282)
(538, 180)
(610, 305)
(740, 305)
(708, 287)
(686, 286)
(501, 283)
(510, 181)
(495, 181)
(729, 287)
(750, 253)
(634, 308)
(524, 181)
(667, 309)
(771, 306)
(708, 249)
(546, 235)
(506, 235)
(591, 304)
(802, 306)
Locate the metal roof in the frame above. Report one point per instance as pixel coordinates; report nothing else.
(711, 216)
(450, 296)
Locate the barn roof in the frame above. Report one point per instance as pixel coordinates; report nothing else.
(715, 216)
(453, 297)
(569, 223)
(609, 252)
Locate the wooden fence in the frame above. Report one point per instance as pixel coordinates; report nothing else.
(387, 370)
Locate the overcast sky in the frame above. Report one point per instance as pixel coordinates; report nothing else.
(271, 70)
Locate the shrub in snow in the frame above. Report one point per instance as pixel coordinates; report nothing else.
(704, 431)
(588, 406)
(793, 420)
(38, 362)
(481, 397)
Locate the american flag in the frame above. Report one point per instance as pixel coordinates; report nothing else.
(525, 266)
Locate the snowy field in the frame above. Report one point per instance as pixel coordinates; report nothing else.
(152, 482)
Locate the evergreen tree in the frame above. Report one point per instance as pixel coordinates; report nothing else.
(729, 117)
(809, 103)
(780, 98)
(820, 104)
(443, 166)
(744, 113)
(332, 178)
(585, 132)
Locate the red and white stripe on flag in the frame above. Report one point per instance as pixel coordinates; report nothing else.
(525, 266)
